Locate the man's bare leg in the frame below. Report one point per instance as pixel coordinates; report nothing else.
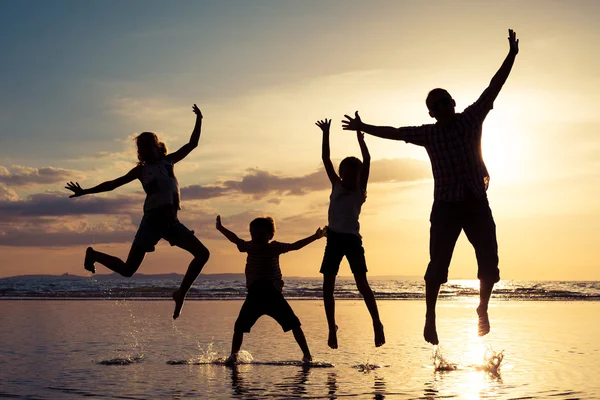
(431, 294)
(485, 292)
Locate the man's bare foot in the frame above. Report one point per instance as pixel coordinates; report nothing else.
(430, 331)
(483, 324)
(179, 298)
(88, 263)
(332, 340)
(379, 335)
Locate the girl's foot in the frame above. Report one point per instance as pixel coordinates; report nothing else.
(307, 359)
(332, 340)
(379, 335)
(179, 298)
(232, 359)
(88, 263)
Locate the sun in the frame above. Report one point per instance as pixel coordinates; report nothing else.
(501, 146)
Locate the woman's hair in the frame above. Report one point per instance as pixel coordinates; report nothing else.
(150, 137)
(266, 223)
(349, 164)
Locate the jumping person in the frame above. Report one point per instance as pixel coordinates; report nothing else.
(155, 172)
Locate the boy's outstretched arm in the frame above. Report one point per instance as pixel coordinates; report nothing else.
(366, 168)
(500, 77)
(385, 132)
(227, 233)
(325, 151)
(104, 186)
(194, 139)
(307, 240)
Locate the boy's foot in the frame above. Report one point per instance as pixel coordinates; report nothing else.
(430, 331)
(483, 324)
(332, 340)
(232, 359)
(306, 359)
(179, 298)
(379, 335)
(88, 263)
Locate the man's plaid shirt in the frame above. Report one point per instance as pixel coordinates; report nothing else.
(455, 152)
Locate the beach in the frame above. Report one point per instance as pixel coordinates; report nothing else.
(132, 349)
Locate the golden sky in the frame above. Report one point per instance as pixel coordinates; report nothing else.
(79, 82)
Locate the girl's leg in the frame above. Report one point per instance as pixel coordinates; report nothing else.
(329, 302)
(236, 342)
(201, 254)
(365, 290)
(127, 268)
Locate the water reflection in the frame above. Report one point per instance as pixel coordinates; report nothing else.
(378, 388)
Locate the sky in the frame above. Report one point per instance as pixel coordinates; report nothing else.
(78, 80)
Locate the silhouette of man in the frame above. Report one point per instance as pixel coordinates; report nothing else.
(461, 179)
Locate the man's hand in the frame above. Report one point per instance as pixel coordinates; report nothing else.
(513, 42)
(352, 124)
(319, 233)
(75, 188)
(324, 124)
(197, 111)
(219, 225)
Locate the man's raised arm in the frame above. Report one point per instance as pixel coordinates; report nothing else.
(500, 78)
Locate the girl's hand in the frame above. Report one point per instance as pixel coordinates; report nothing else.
(197, 111)
(319, 233)
(324, 125)
(75, 188)
(219, 225)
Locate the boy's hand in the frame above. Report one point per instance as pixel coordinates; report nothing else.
(197, 111)
(324, 125)
(219, 226)
(513, 42)
(75, 188)
(352, 124)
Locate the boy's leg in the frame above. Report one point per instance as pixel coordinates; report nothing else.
(236, 342)
(329, 303)
(446, 225)
(301, 340)
(126, 269)
(189, 242)
(480, 229)
(365, 290)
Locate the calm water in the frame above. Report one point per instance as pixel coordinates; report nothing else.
(72, 349)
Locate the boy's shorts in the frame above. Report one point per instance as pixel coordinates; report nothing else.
(160, 224)
(264, 299)
(340, 245)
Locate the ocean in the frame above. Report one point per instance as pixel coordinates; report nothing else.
(97, 338)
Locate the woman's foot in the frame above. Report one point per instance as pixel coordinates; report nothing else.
(332, 340)
(179, 298)
(89, 261)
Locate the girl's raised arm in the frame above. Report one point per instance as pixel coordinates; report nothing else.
(194, 139)
(104, 186)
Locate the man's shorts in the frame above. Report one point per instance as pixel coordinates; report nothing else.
(160, 224)
(340, 245)
(448, 219)
(264, 299)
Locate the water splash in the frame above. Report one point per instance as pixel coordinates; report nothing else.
(208, 356)
(366, 367)
(440, 363)
(491, 361)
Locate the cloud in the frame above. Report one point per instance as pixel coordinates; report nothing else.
(21, 176)
(258, 183)
(7, 194)
(55, 204)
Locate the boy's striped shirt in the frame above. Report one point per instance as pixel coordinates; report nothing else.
(262, 263)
